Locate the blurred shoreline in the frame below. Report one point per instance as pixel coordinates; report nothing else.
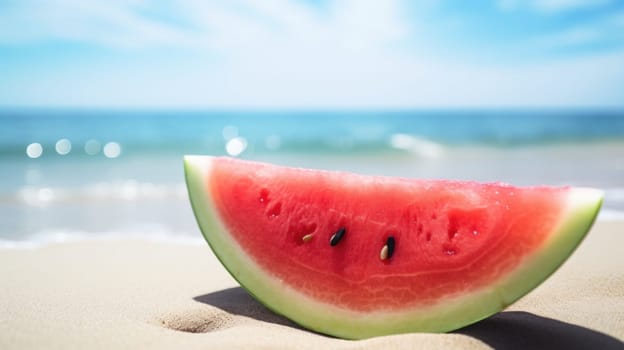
(75, 188)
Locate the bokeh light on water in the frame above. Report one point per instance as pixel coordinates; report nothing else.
(236, 146)
(34, 150)
(117, 170)
(103, 154)
(63, 146)
(112, 150)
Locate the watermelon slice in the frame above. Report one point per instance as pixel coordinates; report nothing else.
(358, 256)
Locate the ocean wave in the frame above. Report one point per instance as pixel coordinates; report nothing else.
(132, 190)
(417, 145)
(191, 131)
(59, 236)
(157, 233)
(607, 214)
(128, 190)
(614, 194)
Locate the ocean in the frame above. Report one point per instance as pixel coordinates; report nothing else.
(95, 174)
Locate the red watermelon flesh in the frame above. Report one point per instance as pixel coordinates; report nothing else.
(454, 242)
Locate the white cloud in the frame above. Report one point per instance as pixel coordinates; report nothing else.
(385, 81)
(208, 24)
(108, 23)
(288, 54)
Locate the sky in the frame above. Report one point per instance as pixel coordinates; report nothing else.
(312, 54)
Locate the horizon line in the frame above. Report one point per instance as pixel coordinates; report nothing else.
(290, 109)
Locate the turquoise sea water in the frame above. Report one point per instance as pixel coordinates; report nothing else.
(313, 132)
(70, 174)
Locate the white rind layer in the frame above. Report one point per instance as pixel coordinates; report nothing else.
(448, 314)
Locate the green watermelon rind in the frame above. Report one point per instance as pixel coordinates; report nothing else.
(447, 315)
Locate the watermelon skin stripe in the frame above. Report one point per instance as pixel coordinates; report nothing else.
(448, 314)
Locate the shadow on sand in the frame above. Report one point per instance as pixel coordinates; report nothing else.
(524, 330)
(238, 302)
(505, 330)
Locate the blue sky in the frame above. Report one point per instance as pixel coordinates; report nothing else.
(312, 54)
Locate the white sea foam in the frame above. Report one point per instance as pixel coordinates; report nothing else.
(614, 194)
(102, 191)
(417, 145)
(48, 237)
(607, 214)
(613, 207)
(156, 233)
(131, 190)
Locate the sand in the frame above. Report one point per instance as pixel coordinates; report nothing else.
(136, 294)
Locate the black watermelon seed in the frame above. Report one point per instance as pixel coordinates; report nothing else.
(390, 243)
(336, 237)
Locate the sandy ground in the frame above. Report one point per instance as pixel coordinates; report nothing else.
(135, 294)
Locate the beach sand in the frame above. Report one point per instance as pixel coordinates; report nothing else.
(138, 294)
